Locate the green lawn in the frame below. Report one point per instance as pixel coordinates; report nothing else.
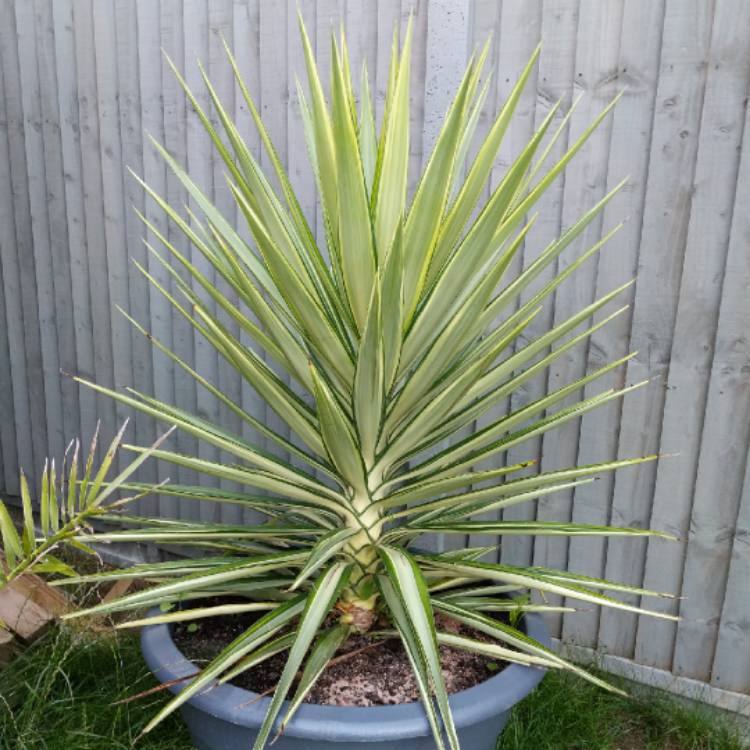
(59, 696)
(566, 712)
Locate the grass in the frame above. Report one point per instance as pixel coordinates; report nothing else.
(59, 695)
(566, 712)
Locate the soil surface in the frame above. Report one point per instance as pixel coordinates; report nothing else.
(366, 671)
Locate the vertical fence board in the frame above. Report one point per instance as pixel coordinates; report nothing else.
(519, 34)
(70, 143)
(446, 46)
(447, 43)
(325, 14)
(729, 395)
(199, 161)
(19, 265)
(153, 172)
(220, 17)
(361, 23)
(106, 46)
(388, 23)
(417, 11)
(142, 427)
(175, 116)
(716, 410)
(93, 212)
(298, 162)
(56, 216)
(8, 451)
(637, 69)
(595, 79)
(40, 230)
(272, 72)
(131, 144)
(484, 21)
(556, 65)
(731, 667)
(246, 44)
(16, 442)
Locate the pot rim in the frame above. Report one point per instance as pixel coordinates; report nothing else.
(344, 723)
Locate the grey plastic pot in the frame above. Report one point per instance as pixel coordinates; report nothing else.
(227, 717)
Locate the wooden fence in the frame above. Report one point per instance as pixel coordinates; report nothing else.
(82, 80)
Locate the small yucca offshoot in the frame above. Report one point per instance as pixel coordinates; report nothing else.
(399, 334)
(70, 499)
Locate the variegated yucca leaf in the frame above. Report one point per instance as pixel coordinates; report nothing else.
(378, 349)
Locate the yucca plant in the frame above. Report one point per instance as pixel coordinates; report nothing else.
(69, 501)
(378, 351)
